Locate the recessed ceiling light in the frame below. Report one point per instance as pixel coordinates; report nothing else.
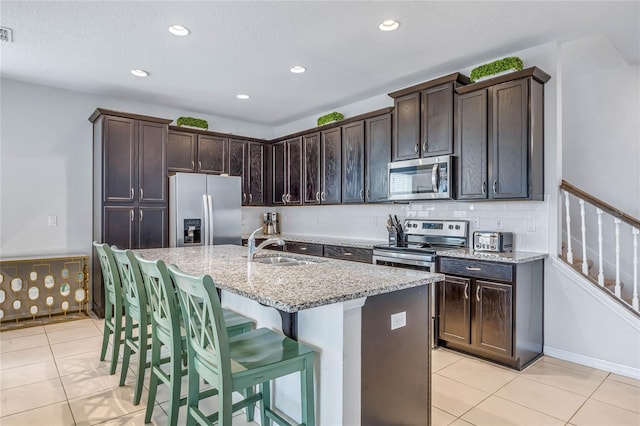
(242, 96)
(297, 69)
(179, 30)
(139, 73)
(389, 25)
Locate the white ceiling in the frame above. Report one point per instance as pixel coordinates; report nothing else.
(248, 47)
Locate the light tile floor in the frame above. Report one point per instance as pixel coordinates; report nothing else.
(51, 375)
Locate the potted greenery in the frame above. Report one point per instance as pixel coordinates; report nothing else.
(192, 122)
(495, 68)
(330, 118)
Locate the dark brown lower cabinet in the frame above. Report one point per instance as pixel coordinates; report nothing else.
(491, 310)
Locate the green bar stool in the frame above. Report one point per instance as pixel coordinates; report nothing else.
(113, 304)
(232, 364)
(167, 330)
(136, 316)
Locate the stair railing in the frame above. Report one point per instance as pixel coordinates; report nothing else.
(619, 217)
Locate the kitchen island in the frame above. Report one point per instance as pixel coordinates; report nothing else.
(369, 325)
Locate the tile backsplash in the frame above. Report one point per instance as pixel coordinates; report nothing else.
(528, 220)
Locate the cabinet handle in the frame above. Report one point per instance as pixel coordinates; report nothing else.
(141, 194)
(362, 193)
(303, 248)
(131, 214)
(193, 165)
(322, 196)
(368, 193)
(495, 184)
(250, 197)
(478, 293)
(288, 198)
(484, 187)
(244, 197)
(466, 291)
(318, 196)
(347, 253)
(415, 148)
(283, 200)
(131, 193)
(199, 165)
(141, 215)
(471, 268)
(424, 147)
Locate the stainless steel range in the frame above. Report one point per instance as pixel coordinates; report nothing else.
(423, 238)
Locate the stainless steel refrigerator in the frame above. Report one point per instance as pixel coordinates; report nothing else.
(204, 210)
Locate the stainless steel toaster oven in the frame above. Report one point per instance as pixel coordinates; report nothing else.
(492, 241)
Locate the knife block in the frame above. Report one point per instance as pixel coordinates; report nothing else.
(396, 239)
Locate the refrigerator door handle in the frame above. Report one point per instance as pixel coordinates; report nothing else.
(206, 220)
(210, 224)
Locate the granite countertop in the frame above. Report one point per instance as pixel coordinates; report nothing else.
(290, 288)
(512, 257)
(319, 239)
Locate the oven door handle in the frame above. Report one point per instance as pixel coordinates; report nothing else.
(434, 177)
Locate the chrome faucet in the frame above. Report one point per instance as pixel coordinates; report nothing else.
(252, 244)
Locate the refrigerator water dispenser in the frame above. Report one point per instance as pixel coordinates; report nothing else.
(192, 231)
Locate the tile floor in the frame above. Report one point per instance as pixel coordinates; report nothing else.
(52, 375)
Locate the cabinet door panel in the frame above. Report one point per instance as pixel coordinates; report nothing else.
(294, 175)
(493, 318)
(437, 126)
(181, 152)
(454, 309)
(406, 138)
(255, 174)
(279, 172)
(211, 154)
(378, 152)
(353, 163)
(152, 160)
(331, 192)
(119, 159)
(509, 130)
(311, 154)
(237, 163)
(152, 227)
(118, 226)
(471, 141)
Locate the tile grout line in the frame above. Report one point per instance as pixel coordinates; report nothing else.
(55, 361)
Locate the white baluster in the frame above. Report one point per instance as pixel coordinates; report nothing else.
(600, 260)
(569, 251)
(583, 228)
(634, 301)
(617, 289)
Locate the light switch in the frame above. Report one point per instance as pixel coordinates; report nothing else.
(398, 320)
(53, 221)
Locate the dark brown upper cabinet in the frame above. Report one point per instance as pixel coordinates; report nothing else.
(196, 153)
(378, 155)
(424, 118)
(353, 163)
(287, 172)
(311, 166)
(331, 166)
(499, 137)
(247, 160)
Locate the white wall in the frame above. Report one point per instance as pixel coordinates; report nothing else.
(46, 164)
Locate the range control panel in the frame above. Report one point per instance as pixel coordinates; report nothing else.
(440, 228)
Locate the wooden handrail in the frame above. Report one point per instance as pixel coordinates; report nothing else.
(635, 222)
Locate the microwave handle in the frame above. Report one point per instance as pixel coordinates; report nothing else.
(434, 177)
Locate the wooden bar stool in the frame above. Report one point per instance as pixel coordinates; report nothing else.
(113, 304)
(232, 364)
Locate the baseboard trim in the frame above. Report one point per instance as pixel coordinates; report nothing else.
(623, 370)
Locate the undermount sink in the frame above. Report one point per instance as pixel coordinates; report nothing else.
(284, 261)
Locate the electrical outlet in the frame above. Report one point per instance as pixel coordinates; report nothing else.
(530, 225)
(53, 221)
(398, 320)
(499, 223)
(6, 34)
(475, 222)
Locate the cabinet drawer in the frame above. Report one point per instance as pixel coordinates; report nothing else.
(349, 253)
(476, 269)
(305, 248)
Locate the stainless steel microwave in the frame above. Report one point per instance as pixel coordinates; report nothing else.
(421, 179)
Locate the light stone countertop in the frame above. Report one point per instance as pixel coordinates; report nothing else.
(290, 288)
(319, 239)
(512, 257)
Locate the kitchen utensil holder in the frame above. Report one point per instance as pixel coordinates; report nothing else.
(396, 239)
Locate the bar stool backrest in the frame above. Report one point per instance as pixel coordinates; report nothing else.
(110, 276)
(135, 295)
